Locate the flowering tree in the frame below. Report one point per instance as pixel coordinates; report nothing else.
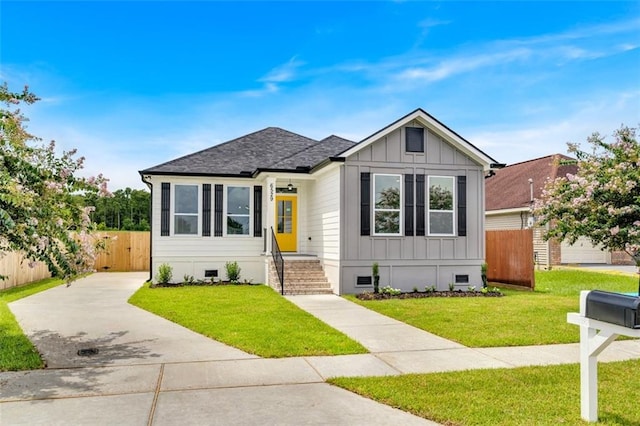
(42, 212)
(602, 200)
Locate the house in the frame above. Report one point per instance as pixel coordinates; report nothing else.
(409, 197)
(509, 196)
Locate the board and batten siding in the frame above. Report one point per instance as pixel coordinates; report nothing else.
(193, 254)
(323, 222)
(412, 261)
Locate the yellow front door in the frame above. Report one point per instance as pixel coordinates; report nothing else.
(286, 222)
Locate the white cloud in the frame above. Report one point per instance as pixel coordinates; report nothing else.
(512, 143)
(283, 73)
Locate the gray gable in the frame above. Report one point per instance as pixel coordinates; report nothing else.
(272, 148)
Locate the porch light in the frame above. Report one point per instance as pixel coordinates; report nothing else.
(290, 186)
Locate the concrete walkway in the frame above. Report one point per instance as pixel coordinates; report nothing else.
(154, 372)
(407, 349)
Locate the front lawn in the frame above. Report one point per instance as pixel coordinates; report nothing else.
(16, 351)
(252, 318)
(520, 396)
(521, 318)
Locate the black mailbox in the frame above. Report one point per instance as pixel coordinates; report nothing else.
(615, 308)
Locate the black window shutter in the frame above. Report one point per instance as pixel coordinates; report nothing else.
(217, 211)
(365, 203)
(257, 211)
(462, 206)
(420, 205)
(408, 205)
(206, 210)
(165, 208)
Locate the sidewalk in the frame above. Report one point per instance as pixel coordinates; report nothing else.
(151, 371)
(407, 349)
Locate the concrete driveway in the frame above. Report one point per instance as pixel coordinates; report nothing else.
(149, 371)
(93, 313)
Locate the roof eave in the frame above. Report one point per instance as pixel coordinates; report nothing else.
(196, 174)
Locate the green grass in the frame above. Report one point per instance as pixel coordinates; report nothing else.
(520, 318)
(522, 396)
(16, 351)
(254, 319)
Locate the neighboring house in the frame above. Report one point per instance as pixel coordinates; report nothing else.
(509, 195)
(410, 197)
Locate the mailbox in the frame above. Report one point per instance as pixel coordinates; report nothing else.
(615, 308)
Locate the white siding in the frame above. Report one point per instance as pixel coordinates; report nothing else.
(323, 213)
(503, 221)
(540, 247)
(193, 254)
(323, 223)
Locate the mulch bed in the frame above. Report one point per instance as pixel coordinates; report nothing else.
(197, 284)
(420, 295)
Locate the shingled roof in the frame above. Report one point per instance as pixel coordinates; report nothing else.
(326, 148)
(509, 187)
(268, 149)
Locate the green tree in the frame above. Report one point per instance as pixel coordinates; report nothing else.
(602, 200)
(41, 213)
(128, 209)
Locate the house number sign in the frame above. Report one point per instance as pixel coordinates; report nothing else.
(271, 192)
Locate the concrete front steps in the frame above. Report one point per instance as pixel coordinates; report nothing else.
(301, 276)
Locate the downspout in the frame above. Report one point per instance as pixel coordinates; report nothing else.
(150, 186)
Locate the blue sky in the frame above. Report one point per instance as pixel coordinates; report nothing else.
(134, 84)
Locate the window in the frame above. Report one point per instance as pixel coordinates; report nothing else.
(186, 210)
(414, 139)
(441, 205)
(238, 210)
(387, 202)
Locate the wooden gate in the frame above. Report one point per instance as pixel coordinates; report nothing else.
(509, 256)
(125, 251)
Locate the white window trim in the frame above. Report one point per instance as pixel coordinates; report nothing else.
(453, 211)
(225, 213)
(374, 209)
(197, 214)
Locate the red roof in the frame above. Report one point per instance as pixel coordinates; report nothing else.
(509, 188)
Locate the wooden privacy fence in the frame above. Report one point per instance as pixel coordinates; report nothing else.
(16, 268)
(125, 251)
(509, 256)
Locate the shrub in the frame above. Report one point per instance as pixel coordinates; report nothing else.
(165, 273)
(390, 290)
(483, 273)
(233, 271)
(376, 277)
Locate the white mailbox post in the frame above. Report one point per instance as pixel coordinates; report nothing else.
(595, 336)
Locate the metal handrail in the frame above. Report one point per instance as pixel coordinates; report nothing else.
(278, 260)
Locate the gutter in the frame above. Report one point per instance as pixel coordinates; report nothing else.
(150, 186)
